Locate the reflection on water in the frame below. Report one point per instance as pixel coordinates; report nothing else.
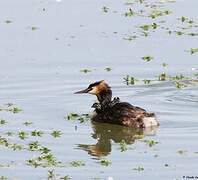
(105, 133)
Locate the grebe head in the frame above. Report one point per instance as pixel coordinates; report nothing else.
(95, 88)
(100, 89)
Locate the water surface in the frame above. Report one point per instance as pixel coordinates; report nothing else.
(40, 70)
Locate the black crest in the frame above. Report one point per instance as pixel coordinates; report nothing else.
(94, 84)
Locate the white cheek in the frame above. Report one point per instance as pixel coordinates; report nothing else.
(93, 91)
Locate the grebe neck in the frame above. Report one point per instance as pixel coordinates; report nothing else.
(104, 97)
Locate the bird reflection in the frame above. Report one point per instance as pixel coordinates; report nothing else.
(106, 133)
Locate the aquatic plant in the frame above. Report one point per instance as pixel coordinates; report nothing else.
(37, 133)
(193, 50)
(15, 147)
(181, 151)
(9, 133)
(147, 58)
(50, 174)
(85, 70)
(162, 77)
(129, 13)
(179, 33)
(105, 162)
(196, 75)
(164, 64)
(10, 108)
(179, 85)
(79, 117)
(123, 146)
(145, 27)
(27, 123)
(139, 168)
(129, 80)
(105, 9)
(150, 142)
(4, 142)
(147, 81)
(3, 178)
(130, 37)
(178, 77)
(56, 134)
(2, 121)
(71, 116)
(77, 163)
(44, 160)
(44, 150)
(66, 177)
(108, 69)
(33, 146)
(156, 13)
(8, 21)
(22, 135)
(33, 28)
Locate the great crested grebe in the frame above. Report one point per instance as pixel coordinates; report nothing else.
(116, 112)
